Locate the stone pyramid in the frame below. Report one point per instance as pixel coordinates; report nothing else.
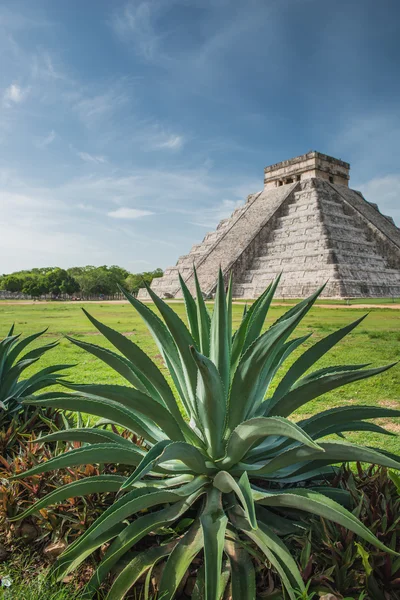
(306, 223)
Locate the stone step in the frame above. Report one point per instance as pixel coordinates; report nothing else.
(314, 272)
(299, 252)
(297, 234)
(316, 242)
(288, 289)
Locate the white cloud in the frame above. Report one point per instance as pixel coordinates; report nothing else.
(210, 217)
(47, 140)
(92, 108)
(14, 94)
(42, 67)
(136, 21)
(129, 213)
(172, 142)
(91, 158)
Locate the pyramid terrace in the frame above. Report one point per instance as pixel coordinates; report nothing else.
(306, 223)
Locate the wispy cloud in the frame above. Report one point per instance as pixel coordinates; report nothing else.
(135, 21)
(172, 142)
(128, 213)
(210, 217)
(14, 94)
(47, 140)
(43, 67)
(92, 158)
(94, 107)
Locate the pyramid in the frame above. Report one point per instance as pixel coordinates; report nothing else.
(306, 224)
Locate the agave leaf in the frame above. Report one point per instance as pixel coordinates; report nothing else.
(132, 502)
(342, 415)
(395, 477)
(213, 521)
(89, 435)
(89, 485)
(136, 568)
(239, 337)
(10, 379)
(336, 369)
(259, 314)
(56, 571)
(304, 305)
(319, 504)
(353, 426)
(38, 352)
(224, 482)
(248, 433)
(153, 381)
(147, 463)
(183, 340)
(243, 579)
(20, 346)
(187, 454)
(191, 311)
(264, 383)
(211, 402)
(274, 549)
(179, 560)
(135, 532)
(313, 470)
(101, 407)
(43, 378)
(310, 357)
(303, 393)
(136, 401)
(199, 590)
(279, 525)
(343, 497)
(332, 452)
(229, 310)
(5, 344)
(96, 453)
(278, 554)
(166, 346)
(203, 318)
(117, 362)
(246, 392)
(220, 340)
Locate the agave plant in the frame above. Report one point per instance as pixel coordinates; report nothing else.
(12, 388)
(218, 446)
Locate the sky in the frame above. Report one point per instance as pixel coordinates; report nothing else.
(128, 129)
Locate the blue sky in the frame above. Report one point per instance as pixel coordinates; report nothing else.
(129, 129)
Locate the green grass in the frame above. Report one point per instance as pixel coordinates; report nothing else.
(376, 341)
(339, 302)
(28, 582)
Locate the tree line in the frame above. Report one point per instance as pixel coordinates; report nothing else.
(82, 282)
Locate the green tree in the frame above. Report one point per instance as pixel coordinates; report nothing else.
(34, 286)
(12, 283)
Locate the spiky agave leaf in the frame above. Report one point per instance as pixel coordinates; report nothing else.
(12, 387)
(239, 435)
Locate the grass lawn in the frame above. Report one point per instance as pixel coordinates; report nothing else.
(376, 341)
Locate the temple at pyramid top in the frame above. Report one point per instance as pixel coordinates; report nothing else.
(307, 224)
(306, 166)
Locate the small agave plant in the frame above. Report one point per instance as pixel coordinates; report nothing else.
(12, 388)
(219, 447)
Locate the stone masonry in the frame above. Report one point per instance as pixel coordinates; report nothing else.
(306, 224)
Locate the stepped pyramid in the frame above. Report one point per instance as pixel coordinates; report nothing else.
(306, 223)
